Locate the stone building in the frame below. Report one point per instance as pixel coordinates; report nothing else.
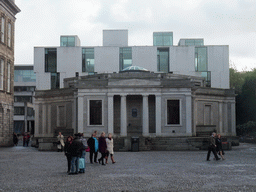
(156, 107)
(8, 10)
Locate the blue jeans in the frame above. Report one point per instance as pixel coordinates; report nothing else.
(75, 165)
(83, 156)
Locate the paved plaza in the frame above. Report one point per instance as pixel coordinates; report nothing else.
(26, 169)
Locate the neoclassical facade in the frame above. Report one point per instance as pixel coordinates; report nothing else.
(135, 102)
(8, 10)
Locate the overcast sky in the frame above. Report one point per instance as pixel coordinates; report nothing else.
(219, 22)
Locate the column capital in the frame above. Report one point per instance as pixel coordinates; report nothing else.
(145, 95)
(123, 95)
(110, 94)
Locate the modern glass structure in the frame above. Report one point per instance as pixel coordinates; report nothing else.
(24, 76)
(195, 42)
(201, 59)
(163, 60)
(67, 41)
(88, 60)
(163, 38)
(51, 60)
(125, 57)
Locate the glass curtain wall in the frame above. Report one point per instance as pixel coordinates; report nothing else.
(125, 57)
(201, 59)
(88, 60)
(24, 76)
(162, 38)
(51, 66)
(67, 41)
(195, 42)
(163, 60)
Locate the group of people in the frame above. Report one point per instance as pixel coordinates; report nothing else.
(215, 146)
(75, 150)
(26, 139)
(104, 145)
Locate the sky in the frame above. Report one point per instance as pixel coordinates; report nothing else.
(219, 22)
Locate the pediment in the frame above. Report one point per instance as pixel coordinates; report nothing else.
(134, 82)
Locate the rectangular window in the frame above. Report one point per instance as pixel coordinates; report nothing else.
(9, 35)
(88, 60)
(194, 42)
(19, 111)
(163, 38)
(55, 80)
(24, 76)
(95, 112)
(2, 74)
(24, 88)
(201, 59)
(173, 112)
(8, 77)
(51, 60)
(207, 76)
(2, 30)
(61, 116)
(23, 99)
(163, 60)
(66, 41)
(125, 57)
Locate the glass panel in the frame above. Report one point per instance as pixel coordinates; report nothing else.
(88, 60)
(163, 39)
(207, 76)
(9, 34)
(173, 112)
(50, 60)
(23, 99)
(125, 57)
(64, 41)
(71, 41)
(24, 76)
(201, 59)
(163, 60)
(2, 30)
(19, 111)
(55, 80)
(95, 112)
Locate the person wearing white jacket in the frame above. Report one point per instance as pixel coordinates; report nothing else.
(110, 148)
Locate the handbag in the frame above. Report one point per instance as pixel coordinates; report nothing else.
(81, 163)
(88, 149)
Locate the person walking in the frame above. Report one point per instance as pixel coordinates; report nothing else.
(212, 147)
(60, 144)
(76, 149)
(67, 151)
(102, 148)
(219, 146)
(110, 148)
(93, 145)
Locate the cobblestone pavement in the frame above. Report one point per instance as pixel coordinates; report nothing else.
(26, 169)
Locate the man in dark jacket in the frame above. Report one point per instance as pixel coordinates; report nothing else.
(76, 149)
(93, 145)
(212, 147)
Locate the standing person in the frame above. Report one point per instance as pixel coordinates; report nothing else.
(110, 148)
(67, 151)
(219, 146)
(27, 138)
(84, 142)
(24, 138)
(212, 147)
(15, 139)
(76, 149)
(60, 144)
(102, 148)
(93, 145)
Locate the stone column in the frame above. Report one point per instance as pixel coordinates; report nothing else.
(111, 114)
(80, 128)
(123, 127)
(44, 119)
(36, 125)
(220, 117)
(188, 114)
(49, 120)
(158, 115)
(145, 123)
(233, 119)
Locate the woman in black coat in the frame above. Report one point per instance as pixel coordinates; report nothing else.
(67, 151)
(219, 146)
(102, 148)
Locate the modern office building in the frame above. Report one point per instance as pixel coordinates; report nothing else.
(24, 87)
(8, 10)
(155, 92)
(189, 57)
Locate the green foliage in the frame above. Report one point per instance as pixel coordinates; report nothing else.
(246, 129)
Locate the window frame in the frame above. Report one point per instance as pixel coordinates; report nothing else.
(84, 62)
(121, 58)
(9, 34)
(180, 112)
(3, 21)
(2, 74)
(8, 77)
(89, 112)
